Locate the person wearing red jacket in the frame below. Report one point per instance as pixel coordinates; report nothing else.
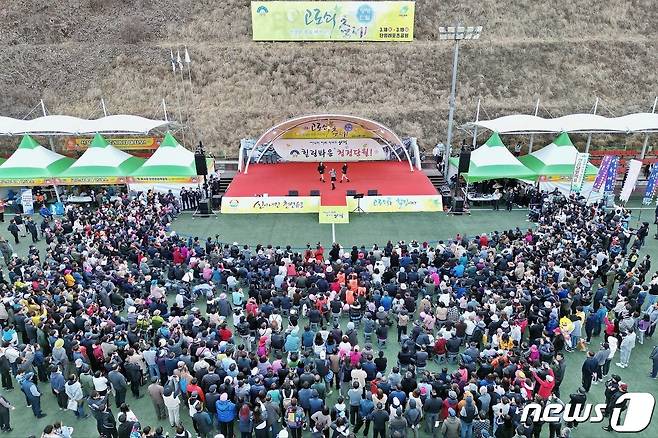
(545, 386)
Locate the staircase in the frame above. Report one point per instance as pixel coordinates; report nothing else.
(224, 183)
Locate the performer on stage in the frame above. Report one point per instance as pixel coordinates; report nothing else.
(343, 176)
(332, 175)
(321, 168)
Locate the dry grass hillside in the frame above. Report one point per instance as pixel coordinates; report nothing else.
(72, 52)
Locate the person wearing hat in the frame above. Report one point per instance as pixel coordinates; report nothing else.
(451, 427)
(612, 405)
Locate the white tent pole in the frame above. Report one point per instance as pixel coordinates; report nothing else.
(103, 105)
(532, 136)
(477, 119)
(646, 136)
(589, 137)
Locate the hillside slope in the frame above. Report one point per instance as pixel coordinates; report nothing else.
(72, 52)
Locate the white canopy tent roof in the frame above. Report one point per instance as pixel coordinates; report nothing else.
(67, 125)
(585, 123)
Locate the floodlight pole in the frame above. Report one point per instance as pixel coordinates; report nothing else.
(589, 137)
(532, 136)
(451, 112)
(103, 105)
(477, 119)
(52, 148)
(646, 136)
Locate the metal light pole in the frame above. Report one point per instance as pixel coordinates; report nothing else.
(456, 34)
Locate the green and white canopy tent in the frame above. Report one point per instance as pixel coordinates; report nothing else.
(555, 160)
(493, 160)
(170, 168)
(32, 165)
(169, 160)
(101, 163)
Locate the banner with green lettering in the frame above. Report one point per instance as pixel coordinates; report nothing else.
(332, 20)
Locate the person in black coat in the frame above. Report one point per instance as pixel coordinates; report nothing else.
(13, 229)
(590, 367)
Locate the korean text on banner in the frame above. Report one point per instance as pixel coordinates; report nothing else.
(651, 186)
(611, 177)
(345, 149)
(334, 214)
(123, 143)
(27, 201)
(332, 20)
(603, 172)
(634, 168)
(579, 172)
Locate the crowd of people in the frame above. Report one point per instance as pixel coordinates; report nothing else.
(272, 342)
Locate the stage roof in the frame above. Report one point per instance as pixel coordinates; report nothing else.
(583, 123)
(68, 125)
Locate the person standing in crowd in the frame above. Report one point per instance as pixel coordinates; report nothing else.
(14, 230)
(5, 419)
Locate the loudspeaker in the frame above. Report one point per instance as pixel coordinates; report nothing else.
(458, 206)
(464, 161)
(293, 193)
(315, 192)
(216, 201)
(447, 199)
(351, 192)
(372, 192)
(200, 164)
(204, 207)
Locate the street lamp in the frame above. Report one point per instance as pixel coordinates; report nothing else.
(456, 34)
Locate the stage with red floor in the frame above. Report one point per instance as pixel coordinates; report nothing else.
(266, 188)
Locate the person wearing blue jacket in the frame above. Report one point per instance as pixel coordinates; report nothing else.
(292, 343)
(225, 415)
(366, 407)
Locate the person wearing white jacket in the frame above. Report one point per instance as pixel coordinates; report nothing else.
(73, 390)
(625, 348)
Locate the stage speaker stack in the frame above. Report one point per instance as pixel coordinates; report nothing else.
(458, 206)
(293, 193)
(200, 164)
(373, 192)
(204, 209)
(464, 161)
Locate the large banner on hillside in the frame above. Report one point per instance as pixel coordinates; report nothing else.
(332, 20)
(123, 143)
(343, 149)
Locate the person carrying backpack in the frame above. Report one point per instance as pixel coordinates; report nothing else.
(467, 415)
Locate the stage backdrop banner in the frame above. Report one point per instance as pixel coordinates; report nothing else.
(271, 204)
(332, 20)
(345, 149)
(334, 214)
(634, 168)
(579, 172)
(124, 143)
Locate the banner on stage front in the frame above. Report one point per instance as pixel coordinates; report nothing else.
(579, 172)
(634, 168)
(339, 149)
(395, 204)
(332, 20)
(271, 204)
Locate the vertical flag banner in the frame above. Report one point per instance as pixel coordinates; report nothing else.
(612, 175)
(603, 172)
(651, 185)
(634, 168)
(579, 172)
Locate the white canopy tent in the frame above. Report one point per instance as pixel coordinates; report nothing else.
(583, 123)
(68, 125)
